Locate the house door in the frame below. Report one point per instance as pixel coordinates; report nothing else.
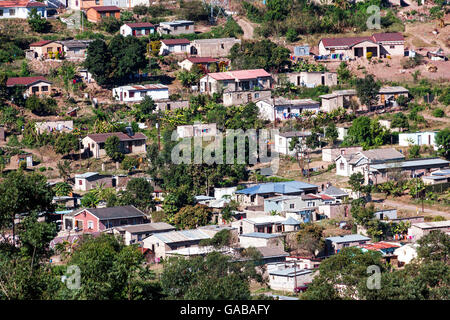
(358, 52)
(121, 96)
(323, 79)
(383, 99)
(298, 80)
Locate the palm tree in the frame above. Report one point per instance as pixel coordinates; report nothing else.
(64, 169)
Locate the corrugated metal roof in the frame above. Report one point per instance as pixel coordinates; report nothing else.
(239, 74)
(261, 235)
(411, 163)
(182, 236)
(277, 187)
(291, 222)
(348, 238)
(290, 272)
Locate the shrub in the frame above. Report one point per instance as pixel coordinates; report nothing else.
(438, 113)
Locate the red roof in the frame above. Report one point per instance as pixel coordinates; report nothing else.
(172, 42)
(239, 74)
(380, 245)
(140, 25)
(41, 43)
(201, 60)
(105, 8)
(351, 41)
(25, 81)
(101, 137)
(20, 4)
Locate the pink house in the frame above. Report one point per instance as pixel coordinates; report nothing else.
(91, 220)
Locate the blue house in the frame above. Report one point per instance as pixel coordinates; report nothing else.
(255, 195)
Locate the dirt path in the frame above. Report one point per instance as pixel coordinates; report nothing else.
(416, 208)
(428, 117)
(247, 27)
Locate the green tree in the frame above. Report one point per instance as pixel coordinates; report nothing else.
(331, 133)
(129, 163)
(112, 148)
(443, 142)
(399, 120)
(66, 143)
(143, 111)
(367, 90)
(191, 217)
(310, 238)
(414, 151)
(62, 189)
(139, 194)
(36, 22)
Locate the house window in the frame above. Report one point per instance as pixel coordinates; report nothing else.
(171, 48)
(256, 95)
(279, 228)
(292, 206)
(183, 47)
(341, 166)
(44, 88)
(49, 49)
(222, 46)
(12, 12)
(80, 182)
(34, 89)
(345, 245)
(175, 28)
(90, 224)
(187, 28)
(392, 47)
(1, 12)
(131, 94)
(97, 2)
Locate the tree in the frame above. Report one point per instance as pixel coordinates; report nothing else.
(343, 275)
(66, 143)
(129, 163)
(291, 35)
(67, 73)
(331, 133)
(139, 194)
(62, 189)
(110, 24)
(362, 214)
(36, 22)
(344, 75)
(191, 217)
(64, 169)
(367, 90)
(414, 151)
(434, 246)
(356, 181)
(90, 200)
(144, 109)
(41, 107)
(221, 239)
(443, 142)
(310, 238)
(98, 61)
(112, 148)
(399, 120)
(277, 9)
(111, 270)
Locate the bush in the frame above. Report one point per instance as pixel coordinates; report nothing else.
(129, 163)
(110, 24)
(438, 113)
(291, 35)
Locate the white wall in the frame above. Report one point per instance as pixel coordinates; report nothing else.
(156, 94)
(21, 13)
(418, 138)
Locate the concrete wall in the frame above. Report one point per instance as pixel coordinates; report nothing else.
(246, 242)
(284, 283)
(123, 94)
(217, 48)
(330, 154)
(243, 97)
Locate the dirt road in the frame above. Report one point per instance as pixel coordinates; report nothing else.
(416, 208)
(247, 27)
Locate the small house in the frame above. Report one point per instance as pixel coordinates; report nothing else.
(75, 49)
(137, 233)
(203, 63)
(94, 144)
(197, 130)
(20, 9)
(213, 47)
(260, 239)
(418, 138)
(418, 230)
(335, 244)
(169, 46)
(283, 109)
(91, 180)
(290, 278)
(282, 141)
(54, 126)
(176, 27)
(46, 49)
(137, 29)
(33, 85)
(96, 14)
(136, 93)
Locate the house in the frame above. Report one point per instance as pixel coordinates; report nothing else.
(335, 244)
(330, 154)
(418, 230)
(203, 62)
(379, 44)
(83, 4)
(387, 96)
(342, 133)
(387, 214)
(94, 144)
(437, 177)
(282, 141)
(137, 29)
(304, 262)
(387, 171)
(46, 48)
(54, 126)
(20, 9)
(301, 51)
(176, 27)
(75, 49)
(282, 109)
(96, 14)
(68, 202)
(335, 210)
(386, 249)
(174, 46)
(418, 138)
(347, 164)
(309, 79)
(99, 219)
(272, 254)
(338, 99)
(197, 130)
(213, 47)
(405, 254)
(260, 239)
(262, 224)
(169, 105)
(136, 93)
(239, 86)
(136, 233)
(335, 193)
(255, 195)
(197, 251)
(290, 278)
(91, 180)
(33, 85)
(161, 243)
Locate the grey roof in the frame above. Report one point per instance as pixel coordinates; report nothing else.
(76, 43)
(348, 238)
(147, 227)
(280, 101)
(290, 272)
(182, 236)
(291, 134)
(277, 187)
(291, 221)
(397, 89)
(411, 163)
(86, 175)
(271, 252)
(261, 235)
(111, 212)
(334, 192)
(382, 154)
(215, 40)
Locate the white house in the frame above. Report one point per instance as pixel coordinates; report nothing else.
(418, 138)
(169, 46)
(418, 230)
(405, 254)
(176, 27)
(197, 130)
(283, 140)
(289, 278)
(260, 239)
(281, 108)
(21, 9)
(137, 29)
(136, 93)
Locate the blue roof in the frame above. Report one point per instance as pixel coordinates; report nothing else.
(348, 238)
(291, 221)
(278, 187)
(261, 235)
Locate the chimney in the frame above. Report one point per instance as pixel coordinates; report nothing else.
(130, 131)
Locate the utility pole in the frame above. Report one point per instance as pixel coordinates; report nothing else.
(295, 274)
